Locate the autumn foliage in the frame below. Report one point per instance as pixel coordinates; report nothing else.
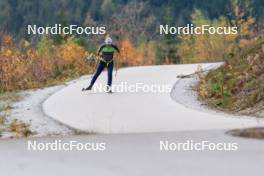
(23, 67)
(132, 56)
(29, 67)
(238, 84)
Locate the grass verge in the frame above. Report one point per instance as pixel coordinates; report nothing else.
(238, 85)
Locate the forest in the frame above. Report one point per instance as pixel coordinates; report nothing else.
(29, 61)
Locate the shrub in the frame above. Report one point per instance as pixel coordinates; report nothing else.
(239, 83)
(31, 68)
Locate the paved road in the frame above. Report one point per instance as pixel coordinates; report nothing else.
(135, 155)
(135, 112)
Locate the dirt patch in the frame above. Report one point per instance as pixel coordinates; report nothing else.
(257, 133)
(257, 110)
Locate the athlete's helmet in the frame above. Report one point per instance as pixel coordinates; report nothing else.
(108, 41)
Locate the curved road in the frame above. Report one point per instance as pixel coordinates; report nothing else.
(99, 112)
(134, 154)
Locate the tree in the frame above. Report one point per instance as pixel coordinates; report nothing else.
(241, 15)
(133, 19)
(206, 47)
(167, 48)
(107, 8)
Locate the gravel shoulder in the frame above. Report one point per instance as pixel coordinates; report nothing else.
(28, 109)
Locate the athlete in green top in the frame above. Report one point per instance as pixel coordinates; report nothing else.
(107, 51)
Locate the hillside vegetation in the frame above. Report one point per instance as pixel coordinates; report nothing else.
(238, 85)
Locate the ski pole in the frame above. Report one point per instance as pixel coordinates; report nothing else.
(116, 69)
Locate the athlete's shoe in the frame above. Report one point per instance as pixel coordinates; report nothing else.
(109, 90)
(88, 88)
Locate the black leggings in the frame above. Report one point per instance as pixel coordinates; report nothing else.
(99, 70)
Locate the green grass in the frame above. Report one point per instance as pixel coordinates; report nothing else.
(238, 84)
